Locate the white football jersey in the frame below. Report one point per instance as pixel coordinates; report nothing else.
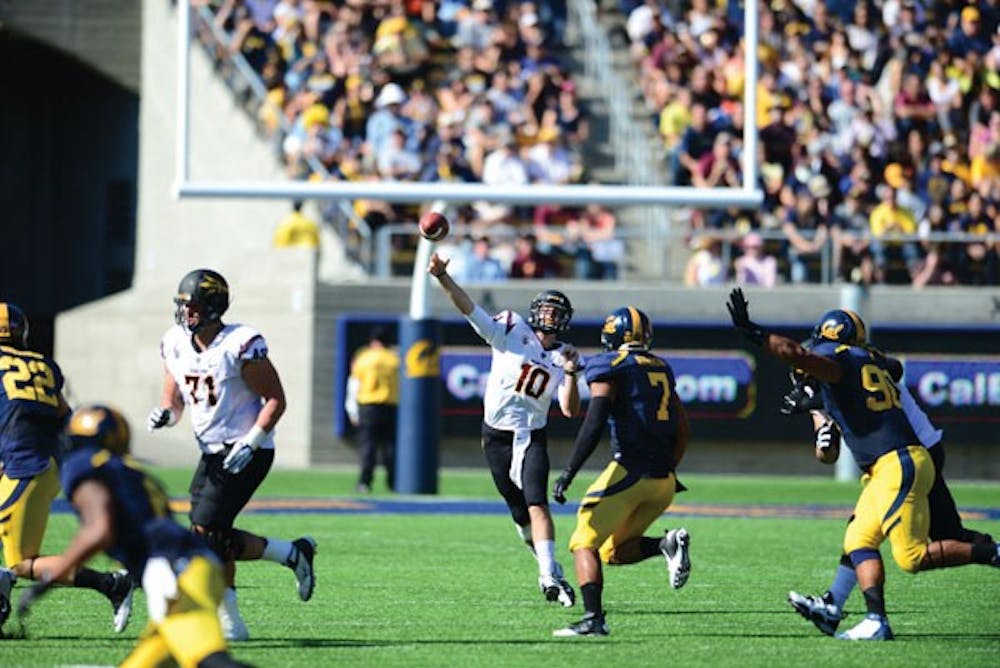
(523, 375)
(222, 407)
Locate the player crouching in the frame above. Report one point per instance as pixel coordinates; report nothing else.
(125, 512)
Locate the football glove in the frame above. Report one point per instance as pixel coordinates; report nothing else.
(826, 434)
(739, 311)
(242, 452)
(802, 398)
(238, 457)
(560, 486)
(160, 417)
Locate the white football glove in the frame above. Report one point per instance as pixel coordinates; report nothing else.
(825, 435)
(160, 584)
(160, 417)
(238, 457)
(243, 449)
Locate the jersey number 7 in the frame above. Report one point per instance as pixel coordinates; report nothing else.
(659, 379)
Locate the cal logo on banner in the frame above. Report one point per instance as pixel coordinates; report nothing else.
(423, 360)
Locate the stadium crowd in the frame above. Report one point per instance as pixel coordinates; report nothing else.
(456, 90)
(875, 119)
(879, 121)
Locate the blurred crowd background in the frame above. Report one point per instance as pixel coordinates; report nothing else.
(879, 126)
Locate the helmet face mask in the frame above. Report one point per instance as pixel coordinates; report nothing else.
(13, 325)
(841, 326)
(627, 328)
(551, 312)
(202, 298)
(99, 426)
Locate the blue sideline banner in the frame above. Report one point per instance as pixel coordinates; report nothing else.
(733, 391)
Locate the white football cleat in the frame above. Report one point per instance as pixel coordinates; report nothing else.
(233, 626)
(301, 561)
(674, 546)
(826, 616)
(121, 599)
(872, 627)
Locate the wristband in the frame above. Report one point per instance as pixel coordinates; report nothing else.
(255, 437)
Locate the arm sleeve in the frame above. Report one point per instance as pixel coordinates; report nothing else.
(486, 326)
(590, 433)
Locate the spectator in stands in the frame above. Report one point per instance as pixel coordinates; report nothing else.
(296, 230)
(705, 266)
(529, 262)
(806, 229)
(718, 168)
(395, 162)
(387, 118)
(887, 219)
(852, 256)
(481, 266)
(695, 143)
(977, 263)
(967, 36)
(936, 267)
(502, 167)
(755, 267)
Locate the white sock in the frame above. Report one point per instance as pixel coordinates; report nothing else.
(545, 552)
(229, 599)
(277, 550)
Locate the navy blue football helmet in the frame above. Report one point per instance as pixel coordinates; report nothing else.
(550, 312)
(202, 298)
(842, 326)
(628, 328)
(101, 426)
(13, 325)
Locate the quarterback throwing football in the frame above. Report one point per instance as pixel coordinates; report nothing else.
(529, 364)
(223, 373)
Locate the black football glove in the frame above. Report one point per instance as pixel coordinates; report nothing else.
(31, 595)
(560, 486)
(802, 398)
(739, 311)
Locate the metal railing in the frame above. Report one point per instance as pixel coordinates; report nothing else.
(394, 240)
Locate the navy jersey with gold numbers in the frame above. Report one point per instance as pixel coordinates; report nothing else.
(144, 527)
(643, 432)
(30, 423)
(865, 403)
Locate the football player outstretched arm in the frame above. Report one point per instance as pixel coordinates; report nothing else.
(601, 397)
(171, 405)
(438, 268)
(262, 379)
(569, 392)
(785, 349)
(92, 501)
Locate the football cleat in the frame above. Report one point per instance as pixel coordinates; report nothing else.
(121, 599)
(549, 587)
(566, 596)
(301, 561)
(674, 546)
(825, 615)
(872, 627)
(7, 579)
(591, 625)
(233, 626)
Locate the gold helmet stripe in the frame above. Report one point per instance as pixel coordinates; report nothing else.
(5, 332)
(636, 324)
(859, 325)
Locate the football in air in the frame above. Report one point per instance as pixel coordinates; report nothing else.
(434, 226)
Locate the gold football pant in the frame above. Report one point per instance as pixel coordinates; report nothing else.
(191, 630)
(617, 508)
(24, 513)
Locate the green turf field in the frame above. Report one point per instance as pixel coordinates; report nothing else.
(459, 590)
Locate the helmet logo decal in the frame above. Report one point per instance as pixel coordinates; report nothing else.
(831, 329)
